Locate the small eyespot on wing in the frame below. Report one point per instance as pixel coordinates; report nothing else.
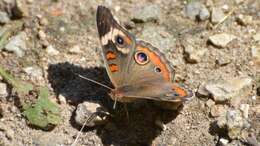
(180, 92)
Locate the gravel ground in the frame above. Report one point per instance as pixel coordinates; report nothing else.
(213, 45)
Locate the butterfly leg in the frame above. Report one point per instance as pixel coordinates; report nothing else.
(159, 123)
(127, 113)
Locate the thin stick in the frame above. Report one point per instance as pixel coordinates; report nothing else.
(90, 118)
(93, 81)
(224, 19)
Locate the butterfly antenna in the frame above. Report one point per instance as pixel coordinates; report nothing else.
(93, 81)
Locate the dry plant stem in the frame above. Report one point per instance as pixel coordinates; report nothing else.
(89, 119)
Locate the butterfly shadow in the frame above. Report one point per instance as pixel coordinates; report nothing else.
(130, 124)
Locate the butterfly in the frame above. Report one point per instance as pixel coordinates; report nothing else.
(137, 69)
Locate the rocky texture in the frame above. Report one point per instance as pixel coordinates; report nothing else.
(244, 20)
(75, 50)
(51, 50)
(217, 15)
(256, 37)
(4, 18)
(218, 110)
(17, 44)
(62, 25)
(194, 55)
(202, 91)
(255, 51)
(159, 38)
(91, 113)
(234, 121)
(3, 90)
(20, 9)
(196, 10)
(34, 72)
(49, 139)
(221, 40)
(223, 142)
(210, 103)
(143, 13)
(225, 89)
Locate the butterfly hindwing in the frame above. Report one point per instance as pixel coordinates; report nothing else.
(137, 69)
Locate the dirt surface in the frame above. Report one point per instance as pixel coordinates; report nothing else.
(70, 24)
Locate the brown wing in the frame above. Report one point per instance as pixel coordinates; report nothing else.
(117, 45)
(156, 89)
(151, 76)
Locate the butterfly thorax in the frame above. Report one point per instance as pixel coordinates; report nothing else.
(118, 95)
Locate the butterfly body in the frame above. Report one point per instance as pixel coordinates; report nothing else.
(137, 69)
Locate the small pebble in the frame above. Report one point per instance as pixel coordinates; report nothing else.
(210, 103)
(117, 8)
(75, 50)
(87, 109)
(225, 8)
(223, 142)
(196, 9)
(51, 50)
(17, 44)
(221, 40)
(217, 110)
(202, 91)
(21, 9)
(226, 89)
(244, 108)
(9, 133)
(235, 123)
(3, 90)
(44, 21)
(256, 37)
(194, 54)
(62, 99)
(4, 18)
(244, 20)
(42, 35)
(217, 15)
(34, 72)
(255, 51)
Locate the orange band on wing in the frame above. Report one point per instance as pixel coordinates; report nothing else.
(179, 90)
(113, 67)
(157, 62)
(110, 55)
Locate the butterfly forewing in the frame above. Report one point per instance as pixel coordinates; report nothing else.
(135, 67)
(117, 46)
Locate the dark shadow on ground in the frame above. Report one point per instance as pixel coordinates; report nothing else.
(138, 129)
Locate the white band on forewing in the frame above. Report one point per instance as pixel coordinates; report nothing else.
(111, 35)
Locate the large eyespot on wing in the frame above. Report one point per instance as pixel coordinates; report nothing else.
(146, 53)
(110, 30)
